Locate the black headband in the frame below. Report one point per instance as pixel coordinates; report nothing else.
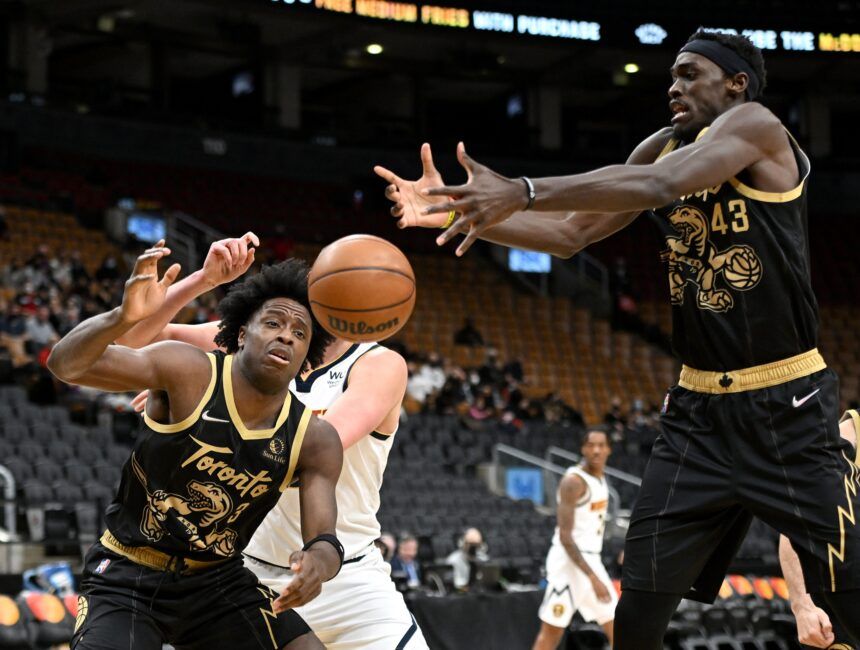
(727, 59)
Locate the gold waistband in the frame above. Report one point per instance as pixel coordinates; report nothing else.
(738, 381)
(153, 558)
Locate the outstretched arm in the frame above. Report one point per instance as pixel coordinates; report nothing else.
(377, 383)
(318, 469)
(736, 140)
(86, 356)
(560, 233)
(227, 260)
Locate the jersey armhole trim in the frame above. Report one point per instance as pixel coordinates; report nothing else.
(176, 427)
(777, 197)
(295, 450)
(354, 361)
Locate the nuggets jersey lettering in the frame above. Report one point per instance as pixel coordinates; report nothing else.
(357, 489)
(739, 279)
(199, 488)
(590, 515)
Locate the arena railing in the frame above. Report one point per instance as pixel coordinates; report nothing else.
(9, 522)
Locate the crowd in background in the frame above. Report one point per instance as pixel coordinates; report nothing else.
(51, 294)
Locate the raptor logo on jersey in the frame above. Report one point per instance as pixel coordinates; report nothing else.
(694, 259)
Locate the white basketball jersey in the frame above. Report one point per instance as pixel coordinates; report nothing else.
(357, 489)
(590, 514)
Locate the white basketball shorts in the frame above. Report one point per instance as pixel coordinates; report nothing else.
(358, 608)
(569, 590)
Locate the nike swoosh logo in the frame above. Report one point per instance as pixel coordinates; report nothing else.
(799, 402)
(209, 418)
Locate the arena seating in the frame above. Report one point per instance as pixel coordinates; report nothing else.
(66, 474)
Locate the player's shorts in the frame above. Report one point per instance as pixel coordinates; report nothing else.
(126, 606)
(774, 453)
(359, 608)
(569, 590)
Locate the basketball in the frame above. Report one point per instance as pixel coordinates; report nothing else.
(361, 288)
(743, 268)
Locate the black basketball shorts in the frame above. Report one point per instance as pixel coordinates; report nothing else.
(125, 606)
(773, 453)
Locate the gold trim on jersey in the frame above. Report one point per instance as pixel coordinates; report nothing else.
(855, 417)
(669, 148)
(296, 449)
(851, 481)
(738, 381)
(770, 197)
(195, 414)
(152, 558)
(766, 197)
(245, 432)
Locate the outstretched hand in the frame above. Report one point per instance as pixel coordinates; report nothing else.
(486, 199)
(409, 202)
(144, 292)
(229, 258)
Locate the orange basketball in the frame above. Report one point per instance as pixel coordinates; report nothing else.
(362, 288)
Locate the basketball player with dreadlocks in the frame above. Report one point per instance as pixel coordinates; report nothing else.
(751, 428)
(222, 438)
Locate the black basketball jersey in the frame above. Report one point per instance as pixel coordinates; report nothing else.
(739, 280)
(199, 488)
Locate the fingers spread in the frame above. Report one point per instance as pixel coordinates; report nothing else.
(170, 275)
(427, 160)
(387, 175)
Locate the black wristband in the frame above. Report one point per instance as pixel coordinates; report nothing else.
(330, 539)
(530, 191)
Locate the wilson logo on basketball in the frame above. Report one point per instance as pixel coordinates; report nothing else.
(360, 327)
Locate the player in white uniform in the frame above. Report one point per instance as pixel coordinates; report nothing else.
(576, 578)
(358, 390)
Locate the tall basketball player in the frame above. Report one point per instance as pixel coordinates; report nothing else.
(814, 627)
(222, 438)
(358, 388)
(751, 429)
(576, 578)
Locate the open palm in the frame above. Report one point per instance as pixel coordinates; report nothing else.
(409, 202)
(144, 293)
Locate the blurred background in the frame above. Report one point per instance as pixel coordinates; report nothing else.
(123, 122)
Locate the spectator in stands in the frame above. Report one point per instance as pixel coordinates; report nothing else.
(78, 270)
(480, 411)
(492, 372)
(40, 331)
(513, 370)
(471, 549)
(468, 335)
(418, 385)
(4, 227)
(13, 333)
(405, 562)
(455, 392)
(387, 545)
(615, 414)
(109, 270)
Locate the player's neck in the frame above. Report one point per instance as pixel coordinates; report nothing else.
(335, 350)
(257, 406)
(596, 472)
